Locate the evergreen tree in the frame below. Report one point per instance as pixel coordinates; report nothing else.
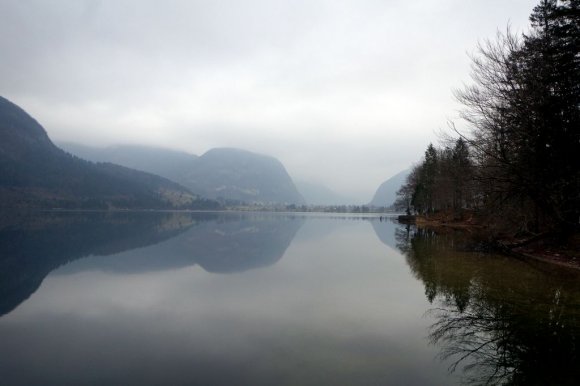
(461, 174)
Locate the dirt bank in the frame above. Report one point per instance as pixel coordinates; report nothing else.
(549, 247)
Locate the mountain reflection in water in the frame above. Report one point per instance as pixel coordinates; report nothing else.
(34, 244)
(500, 320)
(177, 298)
(329, 312)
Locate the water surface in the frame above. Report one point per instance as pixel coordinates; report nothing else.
(262, 299)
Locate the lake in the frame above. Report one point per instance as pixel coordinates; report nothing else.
(153, 298)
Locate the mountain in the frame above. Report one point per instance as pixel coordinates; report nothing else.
(36, 173)
(240, 175)
(317, 194)
(226, 174)
(387, 192)
(166, 163)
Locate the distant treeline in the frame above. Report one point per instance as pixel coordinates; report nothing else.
(518, 162)
(277, 207)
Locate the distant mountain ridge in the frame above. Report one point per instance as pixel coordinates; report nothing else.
(386, 193)
(36, 173)
(235, 174)
(226, 174)
(318, 194)
(170, 164)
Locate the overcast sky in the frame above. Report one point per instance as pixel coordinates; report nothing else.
(344, 93)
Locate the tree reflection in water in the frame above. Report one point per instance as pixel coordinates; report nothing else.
(497, 319)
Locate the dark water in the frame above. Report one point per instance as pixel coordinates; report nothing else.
(273, 299)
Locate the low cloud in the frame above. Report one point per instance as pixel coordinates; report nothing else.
(346, 93)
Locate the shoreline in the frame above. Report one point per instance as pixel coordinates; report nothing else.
(533, 248)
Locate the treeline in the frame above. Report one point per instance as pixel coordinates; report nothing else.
(519, 160)
(442, 181)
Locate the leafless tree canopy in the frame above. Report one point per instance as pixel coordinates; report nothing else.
(522, 145)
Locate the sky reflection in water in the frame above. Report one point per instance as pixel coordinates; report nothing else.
(219, 299)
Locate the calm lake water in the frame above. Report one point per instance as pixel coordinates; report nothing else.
(273, 299)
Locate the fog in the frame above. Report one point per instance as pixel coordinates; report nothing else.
(344, 93)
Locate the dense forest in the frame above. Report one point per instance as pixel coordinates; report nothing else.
(517, 165)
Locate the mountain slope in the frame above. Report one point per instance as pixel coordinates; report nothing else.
(316, 194)
(36, 173)
(239, 175)
(226, 174)
(387, 191)
(166, 163)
